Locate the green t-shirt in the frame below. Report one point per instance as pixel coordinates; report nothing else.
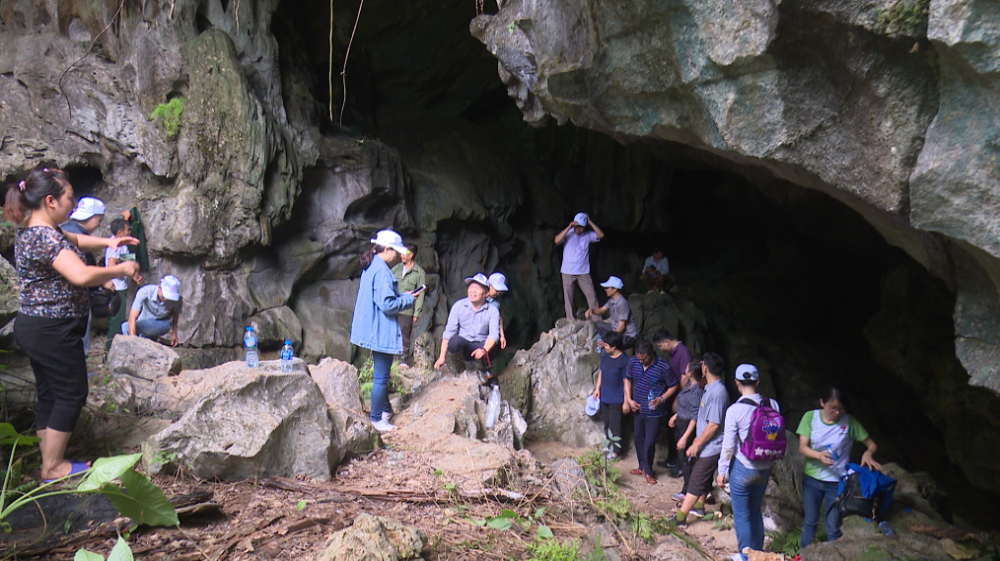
(838, 436)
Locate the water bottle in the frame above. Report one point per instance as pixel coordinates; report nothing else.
(250, 342)
(286, 357)
(493, 407)
(649, 399)
(833, 454)
(598, 347)
(886, 529)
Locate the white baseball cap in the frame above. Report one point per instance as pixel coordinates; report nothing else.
(478, 278)
(391, 239)
(592, 406)
(747, 373)
(87, 207)
(580, 218)
(498, 281)
(170, 286)
(613, 282)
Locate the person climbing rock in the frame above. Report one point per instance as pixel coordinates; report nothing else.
(620, 319)
(411, 277)
(374, 326)
(576, 260)
(156, 310)
(473, 330)
(825, 439)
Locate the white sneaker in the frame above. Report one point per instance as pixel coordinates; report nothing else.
(383, 426)
(737, 557)
(387, 416)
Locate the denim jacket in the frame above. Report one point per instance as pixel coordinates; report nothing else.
(374, 326)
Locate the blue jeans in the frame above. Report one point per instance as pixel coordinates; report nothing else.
(815, 492)
(746, 488)
(150, 328)
(381, 363)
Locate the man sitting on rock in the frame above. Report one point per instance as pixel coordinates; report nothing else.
(656, 272)
(155, 310)
(473, 329)
(621, 319)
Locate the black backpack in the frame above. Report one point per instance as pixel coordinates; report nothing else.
(104, 303)
(852, 501)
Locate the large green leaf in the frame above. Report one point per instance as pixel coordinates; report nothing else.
(9, 435)
(84, 555)
(121, 551)
(144, 502)
(106, 469)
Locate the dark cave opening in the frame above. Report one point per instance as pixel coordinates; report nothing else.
(789, 278)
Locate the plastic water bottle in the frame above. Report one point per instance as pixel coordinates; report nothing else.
(493, 407)
(833, 454)
(250, 343)
(286, 357)
(886, 529)
(598, 347)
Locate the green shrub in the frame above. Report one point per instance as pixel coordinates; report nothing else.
(905, 18)
(169, 115)
(552, 550)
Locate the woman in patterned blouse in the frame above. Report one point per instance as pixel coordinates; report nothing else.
(54, 306)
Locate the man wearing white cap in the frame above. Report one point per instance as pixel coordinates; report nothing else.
(473, 329)
(498, 284)
(86, 218)
(155, 310)
(621, 319)
(576, 260)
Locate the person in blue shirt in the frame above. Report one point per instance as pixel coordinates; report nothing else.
(610, 389)
(649, 386)
(374, 326)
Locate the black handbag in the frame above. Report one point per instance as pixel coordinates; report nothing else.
(852, 501)
(104, 303)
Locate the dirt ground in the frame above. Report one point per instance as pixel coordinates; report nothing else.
(411, 479)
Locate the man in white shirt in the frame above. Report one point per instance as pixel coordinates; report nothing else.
(576, 260)
(655, 272)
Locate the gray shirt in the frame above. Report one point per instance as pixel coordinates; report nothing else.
(149, 306)
(471, 324)
(620, 311)
(713, 410)
(689, 402)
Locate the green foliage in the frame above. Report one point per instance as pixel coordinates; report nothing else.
(141, 500)
(169, 115)
(121, 552)
(366, 377)
(300, 506)
(511, 520)
(786, 542)
(905, 18)
(553, 550)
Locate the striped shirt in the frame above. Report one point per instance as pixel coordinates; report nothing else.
(652, 381)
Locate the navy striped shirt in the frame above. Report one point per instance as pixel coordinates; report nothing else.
(655, 379)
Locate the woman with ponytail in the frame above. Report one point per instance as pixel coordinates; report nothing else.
(54, 306)
(374, 326)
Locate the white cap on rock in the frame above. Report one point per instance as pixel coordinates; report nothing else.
(390, 239)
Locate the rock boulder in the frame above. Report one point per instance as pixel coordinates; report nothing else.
(142, 360)
(338, 381)
(374, 538)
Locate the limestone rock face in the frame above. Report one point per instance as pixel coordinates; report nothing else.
(374, 538)
(895, 122)
(142, 359)
(253, 423)
(561, 368)
(338, 381)
(10, 291)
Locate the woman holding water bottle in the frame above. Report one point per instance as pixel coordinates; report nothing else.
(375, 326)
(825, 438)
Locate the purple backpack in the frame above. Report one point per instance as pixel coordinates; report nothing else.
(766, 437)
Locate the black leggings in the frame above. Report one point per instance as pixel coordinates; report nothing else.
(55, 348)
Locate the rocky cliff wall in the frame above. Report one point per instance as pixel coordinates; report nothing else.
(888, 106)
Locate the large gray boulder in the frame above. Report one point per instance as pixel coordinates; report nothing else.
(559, 370)
(374, 538)
(252, 423)
(141, 359)
(338, 382)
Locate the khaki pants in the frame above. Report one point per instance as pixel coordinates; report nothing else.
(586, 285)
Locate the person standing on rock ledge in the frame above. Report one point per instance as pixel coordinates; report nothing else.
(411, 277)
(576, 260)
(374, 326)
(54, 307)
(473, 329)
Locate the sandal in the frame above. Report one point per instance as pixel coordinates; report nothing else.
(636, 471)
(651, 480)
(75, 468)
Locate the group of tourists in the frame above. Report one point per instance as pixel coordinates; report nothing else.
(56, 269)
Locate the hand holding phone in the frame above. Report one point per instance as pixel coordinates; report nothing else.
(419, 289)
